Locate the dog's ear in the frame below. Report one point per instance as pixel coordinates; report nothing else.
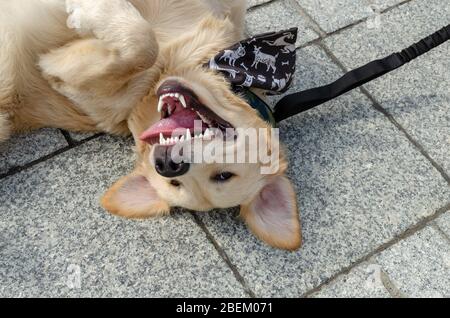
(134, 197)
(272, 215)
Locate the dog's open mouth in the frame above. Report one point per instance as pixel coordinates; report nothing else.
(183, 118)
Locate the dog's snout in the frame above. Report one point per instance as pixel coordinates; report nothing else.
(170, 169)
(166, 166)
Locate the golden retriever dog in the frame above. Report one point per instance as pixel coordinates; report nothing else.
(137, 67)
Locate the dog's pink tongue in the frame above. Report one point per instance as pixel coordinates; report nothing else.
(179, 120)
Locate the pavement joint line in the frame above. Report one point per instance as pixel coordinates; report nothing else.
(54, 154)
(224, 256)
(426, 221)
(395, 6)
(309, 20)
(256, 6)
(333, 57)
(438, 229)
(378, 107)
(310, 43)
(67, 136)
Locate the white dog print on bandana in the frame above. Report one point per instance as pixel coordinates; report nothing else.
(266, 61)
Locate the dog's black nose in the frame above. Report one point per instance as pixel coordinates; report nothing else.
(166, 166)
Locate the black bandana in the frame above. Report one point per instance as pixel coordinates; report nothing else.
(266, 61)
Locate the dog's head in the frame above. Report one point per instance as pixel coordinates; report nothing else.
(190, 107)
(241, 51)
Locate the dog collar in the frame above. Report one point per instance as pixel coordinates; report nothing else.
(257, 103)
(266, 62)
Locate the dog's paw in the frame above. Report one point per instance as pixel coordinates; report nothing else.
(77, 17)
(98, 17)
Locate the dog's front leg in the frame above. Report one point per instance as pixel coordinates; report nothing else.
(119, 24)
(116, 43)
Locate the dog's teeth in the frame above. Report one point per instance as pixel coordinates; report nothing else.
(188, 135)
(160, 104)
(208, 133)
(182, 101)
(182, 138)
(176, 140)
(161, 138)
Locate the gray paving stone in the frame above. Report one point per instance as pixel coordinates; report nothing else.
(25, 148)
(444, 223)
(277, 16)
(52, 229)
(417, 95)
(420, 265)
(332, 15)
(359, 183)
(364, 281)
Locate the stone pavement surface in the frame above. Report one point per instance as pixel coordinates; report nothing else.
(371, 170)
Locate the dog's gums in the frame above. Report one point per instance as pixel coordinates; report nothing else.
(180, 108)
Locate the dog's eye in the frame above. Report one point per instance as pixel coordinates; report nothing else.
(223, 177)
(175, 183)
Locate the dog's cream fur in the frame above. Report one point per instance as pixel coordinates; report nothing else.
(85, 65)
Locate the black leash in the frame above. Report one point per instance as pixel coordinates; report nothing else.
(299, 102)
